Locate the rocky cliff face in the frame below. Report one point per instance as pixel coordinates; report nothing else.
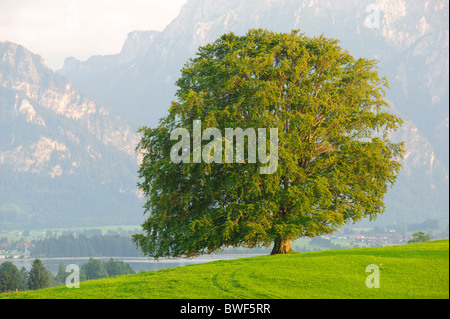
(409, 38)
(64, 159)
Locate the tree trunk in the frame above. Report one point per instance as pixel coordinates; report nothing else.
(281, 246)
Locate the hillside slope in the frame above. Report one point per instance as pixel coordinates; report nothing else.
(407, 271)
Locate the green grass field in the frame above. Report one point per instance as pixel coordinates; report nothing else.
(406, 272)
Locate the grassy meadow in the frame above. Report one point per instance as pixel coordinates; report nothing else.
(406, 272)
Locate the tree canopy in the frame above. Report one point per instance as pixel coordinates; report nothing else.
(38, 276)
(419, 237)
(335, 161)
(9, 277)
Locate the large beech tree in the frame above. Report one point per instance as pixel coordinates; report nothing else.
(335, 159)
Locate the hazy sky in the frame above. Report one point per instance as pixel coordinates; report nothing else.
(56, 29)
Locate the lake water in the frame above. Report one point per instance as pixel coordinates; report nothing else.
(137, 263)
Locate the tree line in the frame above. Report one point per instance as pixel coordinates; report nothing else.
(13, 279)
(83, 246)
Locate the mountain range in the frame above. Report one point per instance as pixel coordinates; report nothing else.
(64, 158)
(87, 112)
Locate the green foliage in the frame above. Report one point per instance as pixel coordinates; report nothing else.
(118, 267)
(319, 241)
(38, 276)
(419, 237)
(10, 277)
(93, 269)
(84, 246)
(61, 275)
(335, 162)
(23, 279)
